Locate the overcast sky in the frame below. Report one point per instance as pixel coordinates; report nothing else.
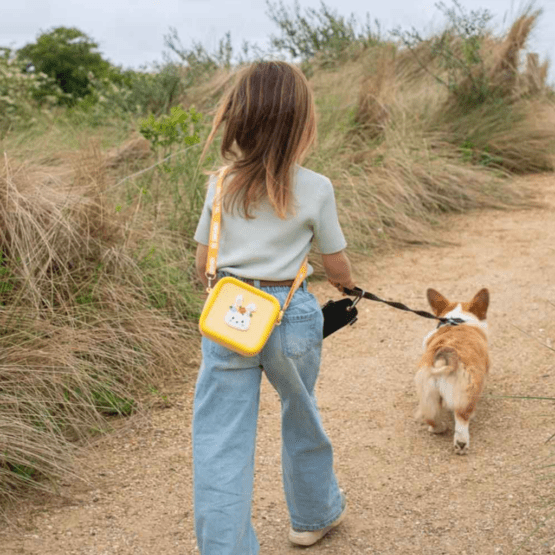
(131, 33)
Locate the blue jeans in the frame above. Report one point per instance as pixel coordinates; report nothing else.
(225, 415)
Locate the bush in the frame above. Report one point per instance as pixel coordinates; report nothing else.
(157, 93)
(463, 88)
(458, 53)
(473, 65)
(181, 177)
(322, 33)
(199, 65)
(18, 105)
(67, 56)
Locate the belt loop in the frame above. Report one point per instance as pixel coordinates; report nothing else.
(305, 285)
(256, 283)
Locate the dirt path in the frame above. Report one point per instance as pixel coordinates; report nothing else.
(408, 492)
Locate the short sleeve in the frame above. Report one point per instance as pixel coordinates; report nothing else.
(328, 235)
(202, 233)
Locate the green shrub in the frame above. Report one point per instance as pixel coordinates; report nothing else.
(457, 53)
(181, 177)
(19, 104)
(66, 55)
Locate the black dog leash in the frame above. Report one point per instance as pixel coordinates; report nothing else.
(359, 293)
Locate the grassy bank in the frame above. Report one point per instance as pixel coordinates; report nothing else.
(98, 295)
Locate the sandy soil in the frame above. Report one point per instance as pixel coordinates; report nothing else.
(407, 490)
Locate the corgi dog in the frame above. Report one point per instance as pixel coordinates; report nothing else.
(453, 368)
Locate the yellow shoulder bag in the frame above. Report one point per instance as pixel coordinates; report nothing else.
(237, 315)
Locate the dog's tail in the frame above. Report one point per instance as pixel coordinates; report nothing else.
(446, 361)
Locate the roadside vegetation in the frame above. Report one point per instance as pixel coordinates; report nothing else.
(101, 189)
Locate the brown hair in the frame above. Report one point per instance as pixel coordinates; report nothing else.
(269, 125)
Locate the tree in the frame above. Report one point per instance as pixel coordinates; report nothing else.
(67, 55)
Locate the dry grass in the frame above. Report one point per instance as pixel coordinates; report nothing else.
(514, 124)
(535, 76)
(377, 93)
(504, 72)
(415, 153)
(62, 376)
(519, 138)
(78, 335)
(400, 200)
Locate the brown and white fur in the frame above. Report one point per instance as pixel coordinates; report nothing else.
(453, 368)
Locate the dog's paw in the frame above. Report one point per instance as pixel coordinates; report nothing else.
(438, 428)
(461, 440)
(461, 447)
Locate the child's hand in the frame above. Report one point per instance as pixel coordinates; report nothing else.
(340, 287)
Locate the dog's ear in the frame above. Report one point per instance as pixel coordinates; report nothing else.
(479, 304)
(437, 301)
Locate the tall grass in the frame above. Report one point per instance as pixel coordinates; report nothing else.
(500, 114)
(400, 163)
(81, 329)
(98, 293)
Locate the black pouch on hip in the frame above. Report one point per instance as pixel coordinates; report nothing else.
(337, 314)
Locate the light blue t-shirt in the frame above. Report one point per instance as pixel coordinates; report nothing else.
(269, 248)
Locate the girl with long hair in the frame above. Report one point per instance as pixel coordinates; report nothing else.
(273, 210)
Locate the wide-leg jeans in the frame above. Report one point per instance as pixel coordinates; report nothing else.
(225, 416)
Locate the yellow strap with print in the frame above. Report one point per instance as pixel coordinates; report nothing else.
(215, 225)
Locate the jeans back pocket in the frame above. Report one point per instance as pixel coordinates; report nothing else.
(302, 326)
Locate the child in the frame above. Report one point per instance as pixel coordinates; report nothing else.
(272, 210)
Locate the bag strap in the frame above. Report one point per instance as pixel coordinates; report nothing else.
(214, 243)
(303, 270)
(215, 225)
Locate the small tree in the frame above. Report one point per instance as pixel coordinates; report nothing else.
(67, 55)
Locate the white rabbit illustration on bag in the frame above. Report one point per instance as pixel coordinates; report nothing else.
(238, 316)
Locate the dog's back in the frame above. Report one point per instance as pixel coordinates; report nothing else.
(453, 368)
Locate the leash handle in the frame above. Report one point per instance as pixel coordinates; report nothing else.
(358, 292)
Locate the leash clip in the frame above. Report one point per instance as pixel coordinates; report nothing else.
(359, 296)
(210, 278)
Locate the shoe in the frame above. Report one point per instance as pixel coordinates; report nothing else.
(310, 537)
